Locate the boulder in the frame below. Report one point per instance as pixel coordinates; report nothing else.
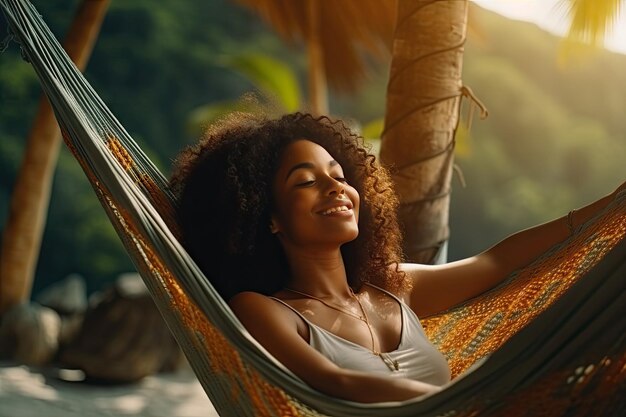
(67, 297)
(29, 334)
(123, 337)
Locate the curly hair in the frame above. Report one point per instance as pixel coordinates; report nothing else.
(224, 189)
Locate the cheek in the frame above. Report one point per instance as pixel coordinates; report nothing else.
(292, 211)
(356, 200)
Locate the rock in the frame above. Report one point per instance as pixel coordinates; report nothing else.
(70, 326)
(123, 338)
(29, 333)
(68, 296)
(130, 285)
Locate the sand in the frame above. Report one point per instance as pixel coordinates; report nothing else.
(34, 392)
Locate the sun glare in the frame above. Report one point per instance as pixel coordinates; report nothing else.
(550, 16)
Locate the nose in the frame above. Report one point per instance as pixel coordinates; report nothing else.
(336, 188)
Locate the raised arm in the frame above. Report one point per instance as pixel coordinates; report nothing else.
(439, 287)
(276, 328)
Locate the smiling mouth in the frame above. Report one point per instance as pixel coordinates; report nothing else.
(335, 210)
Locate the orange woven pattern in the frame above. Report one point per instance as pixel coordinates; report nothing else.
(157, 198)
(584, 389)
(241, 383)
(465, 334)
(472, 331)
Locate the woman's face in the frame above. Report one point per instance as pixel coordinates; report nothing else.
(314, 204)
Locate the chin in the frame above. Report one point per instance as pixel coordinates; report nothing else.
(351, 236)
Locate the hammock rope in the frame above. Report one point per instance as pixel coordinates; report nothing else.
(548, 341)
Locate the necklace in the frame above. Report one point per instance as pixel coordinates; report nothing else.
(385, 357)
(363, 318)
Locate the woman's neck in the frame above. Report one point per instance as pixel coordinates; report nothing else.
(319, 273)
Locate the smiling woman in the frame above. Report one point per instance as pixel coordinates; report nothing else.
(314, 203)
(295, 225)
(239, 183)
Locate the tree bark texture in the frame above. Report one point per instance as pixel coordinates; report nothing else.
(22, 236)
(318, 87)
(423, 99)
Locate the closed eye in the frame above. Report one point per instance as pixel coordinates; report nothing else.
(341, 179)
(305, 184)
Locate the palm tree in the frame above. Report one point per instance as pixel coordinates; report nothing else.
(423, 102)
(335, 34)
(21, 239)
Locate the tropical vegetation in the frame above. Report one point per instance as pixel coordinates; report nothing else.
(555, 137)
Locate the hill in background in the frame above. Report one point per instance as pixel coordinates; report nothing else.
(555, 137)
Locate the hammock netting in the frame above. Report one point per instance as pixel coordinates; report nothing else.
(549, 341)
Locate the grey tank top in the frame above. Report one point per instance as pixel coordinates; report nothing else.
(415, 356)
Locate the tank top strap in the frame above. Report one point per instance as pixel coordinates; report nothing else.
(291, 308)
(390, 294)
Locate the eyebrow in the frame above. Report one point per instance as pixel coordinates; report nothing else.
(307, 165)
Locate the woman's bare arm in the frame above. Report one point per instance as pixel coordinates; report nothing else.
(276, 328)
(439, 287)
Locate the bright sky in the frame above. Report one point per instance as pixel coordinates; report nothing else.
(548, 15)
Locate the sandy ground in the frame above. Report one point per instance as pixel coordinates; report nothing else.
(32, 392)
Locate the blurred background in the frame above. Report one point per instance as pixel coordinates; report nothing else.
(555, 137)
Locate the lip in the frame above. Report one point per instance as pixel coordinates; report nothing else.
(347, 213)
(339, 203)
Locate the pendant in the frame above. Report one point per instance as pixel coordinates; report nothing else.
(392, 364)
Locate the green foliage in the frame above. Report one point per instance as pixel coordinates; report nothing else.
(275, 82)
(203, 116)
(554, 138)
(152, 66)
(275, 79)
(592, 86)
(79, 237)
(373, 129)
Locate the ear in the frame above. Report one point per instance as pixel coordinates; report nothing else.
(273, 226)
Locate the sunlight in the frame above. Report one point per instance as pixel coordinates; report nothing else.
(124, 404)
(21, 380)
(548, 15)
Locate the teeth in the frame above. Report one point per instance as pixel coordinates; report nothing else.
(335, 209)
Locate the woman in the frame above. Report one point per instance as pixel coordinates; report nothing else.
(294, 223)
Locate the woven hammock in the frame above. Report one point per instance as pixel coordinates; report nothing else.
(549, 341)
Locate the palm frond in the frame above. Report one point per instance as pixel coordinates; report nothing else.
(351, 31)
(591, 20)
(275, 79)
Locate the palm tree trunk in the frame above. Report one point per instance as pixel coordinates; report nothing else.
(423, 99)
(318, 86)
(21, 239)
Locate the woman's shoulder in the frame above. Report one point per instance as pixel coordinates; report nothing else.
(249, 301)
(249, 305)
(261, 313)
